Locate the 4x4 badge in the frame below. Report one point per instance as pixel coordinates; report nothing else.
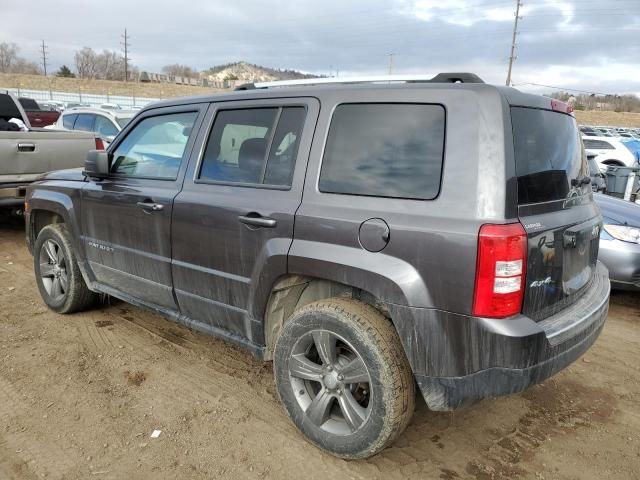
(540, 283)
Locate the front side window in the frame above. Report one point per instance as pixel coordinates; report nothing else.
(105, 127)
(384, 150)
(253, 146)
(155, 147)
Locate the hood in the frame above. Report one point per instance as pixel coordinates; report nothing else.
(620, 211)
(73, 174)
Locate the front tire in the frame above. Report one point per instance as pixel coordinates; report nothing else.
(343, 378)
(57, 273)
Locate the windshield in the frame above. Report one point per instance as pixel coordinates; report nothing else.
(122, 121)
(548, 153)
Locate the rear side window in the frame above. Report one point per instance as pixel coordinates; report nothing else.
(548, 154)
(385, 150)
(85, 122)
(253, 146)
(597, 145)
(68, 121)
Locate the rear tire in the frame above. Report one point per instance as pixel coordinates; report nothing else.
(343, 378)
(57, 273)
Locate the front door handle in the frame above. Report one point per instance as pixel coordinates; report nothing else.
(150, 206)
(26, 147)
(257, 220)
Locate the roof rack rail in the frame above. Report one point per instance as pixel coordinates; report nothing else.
(460, 77)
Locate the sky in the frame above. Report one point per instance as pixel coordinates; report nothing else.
(590, 45)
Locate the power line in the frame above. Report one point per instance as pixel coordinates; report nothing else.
(564, 88)
(43, 55)
(390, 62)
(125, 45)
(512, 57)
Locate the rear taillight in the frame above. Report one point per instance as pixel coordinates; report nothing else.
(99, 144)
(501, 270)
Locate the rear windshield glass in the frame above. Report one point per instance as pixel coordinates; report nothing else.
(548, 154)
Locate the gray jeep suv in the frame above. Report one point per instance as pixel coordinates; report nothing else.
(367, 238)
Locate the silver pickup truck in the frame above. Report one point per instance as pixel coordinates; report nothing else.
(25, 155)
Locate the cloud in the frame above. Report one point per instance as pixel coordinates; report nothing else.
(579, 44)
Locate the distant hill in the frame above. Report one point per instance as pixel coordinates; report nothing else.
(248, 72)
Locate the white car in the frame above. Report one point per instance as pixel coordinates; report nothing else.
(609, 151)
(106, 123)
(110, 106)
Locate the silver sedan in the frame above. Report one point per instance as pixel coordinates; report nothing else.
(620, 241)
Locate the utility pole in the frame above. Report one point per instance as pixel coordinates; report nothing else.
(512, 57)
(44, 58)
(125, 46)
(390, 55)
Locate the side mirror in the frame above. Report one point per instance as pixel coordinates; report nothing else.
(96, 164)
(109, 138)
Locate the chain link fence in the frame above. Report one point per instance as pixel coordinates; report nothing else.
(79, 97)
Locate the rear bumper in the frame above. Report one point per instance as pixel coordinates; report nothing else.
(622, 259)
(458, 360)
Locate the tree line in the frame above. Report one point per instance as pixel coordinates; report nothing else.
(611, 102)
(89, 64)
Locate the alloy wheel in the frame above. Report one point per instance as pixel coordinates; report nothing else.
(53, 270)
(331, 382)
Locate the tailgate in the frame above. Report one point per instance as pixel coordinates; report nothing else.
(556, 207)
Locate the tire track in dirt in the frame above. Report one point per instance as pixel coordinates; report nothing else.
(243, 384)
(557, 406)
(36, 456)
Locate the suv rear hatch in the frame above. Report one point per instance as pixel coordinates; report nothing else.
(556, 207)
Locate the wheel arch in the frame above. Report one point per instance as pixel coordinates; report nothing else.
(291, 292)
(48, 207)
(614, 162)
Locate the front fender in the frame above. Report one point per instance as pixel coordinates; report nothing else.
(60, 203)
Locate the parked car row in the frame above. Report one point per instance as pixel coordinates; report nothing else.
(617, 132)
(58, 106)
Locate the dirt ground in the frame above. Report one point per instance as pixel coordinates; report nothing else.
(81, 395)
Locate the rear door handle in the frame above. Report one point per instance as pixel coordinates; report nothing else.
(26, 147)
(150, 206)
(257, 220)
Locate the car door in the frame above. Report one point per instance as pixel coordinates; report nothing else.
(233, 220)
(126, 217)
